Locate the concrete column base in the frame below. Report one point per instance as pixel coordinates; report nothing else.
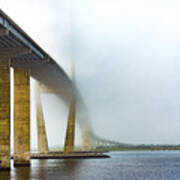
(22, 163)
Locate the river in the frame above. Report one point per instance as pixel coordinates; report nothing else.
(135, 165)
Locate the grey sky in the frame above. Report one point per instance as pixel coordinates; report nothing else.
(130, 59)
(127, 62)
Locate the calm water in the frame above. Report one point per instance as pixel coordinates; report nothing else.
(121, 166)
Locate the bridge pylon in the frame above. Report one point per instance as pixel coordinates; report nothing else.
(70, 131)
(41, 129)
(86, 139)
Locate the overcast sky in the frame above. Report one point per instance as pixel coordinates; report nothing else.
(127, 62)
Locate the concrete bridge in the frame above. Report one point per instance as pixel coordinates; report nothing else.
(20, 53)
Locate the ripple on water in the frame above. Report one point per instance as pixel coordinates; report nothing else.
(121, 166)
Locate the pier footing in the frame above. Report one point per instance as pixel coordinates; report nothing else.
(75, 155)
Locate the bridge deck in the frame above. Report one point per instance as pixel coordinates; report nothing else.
(24, 52)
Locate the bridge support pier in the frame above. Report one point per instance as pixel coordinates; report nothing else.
(21, 117)
(41, 129)
(70, 131)
(86, 139)
(4, 114)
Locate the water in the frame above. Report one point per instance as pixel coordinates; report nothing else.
(121, 166)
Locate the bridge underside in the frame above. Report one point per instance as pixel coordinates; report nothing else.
(19, 52)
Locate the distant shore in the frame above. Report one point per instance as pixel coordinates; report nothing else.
(124, 147)
(141, 148)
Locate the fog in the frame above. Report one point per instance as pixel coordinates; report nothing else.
(126, 59)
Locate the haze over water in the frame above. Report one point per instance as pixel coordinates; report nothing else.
(127, 64)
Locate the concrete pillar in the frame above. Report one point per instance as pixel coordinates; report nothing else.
(4, 114)
(21, 117)
(41, 129)
(70, 131)
(86, 139)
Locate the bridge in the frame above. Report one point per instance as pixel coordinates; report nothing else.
(27, 59)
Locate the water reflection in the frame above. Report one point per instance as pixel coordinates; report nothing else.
(44, 169)
(121, 165)
(71, 168)
(21, 173)
(57, 168)
(5, 175)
